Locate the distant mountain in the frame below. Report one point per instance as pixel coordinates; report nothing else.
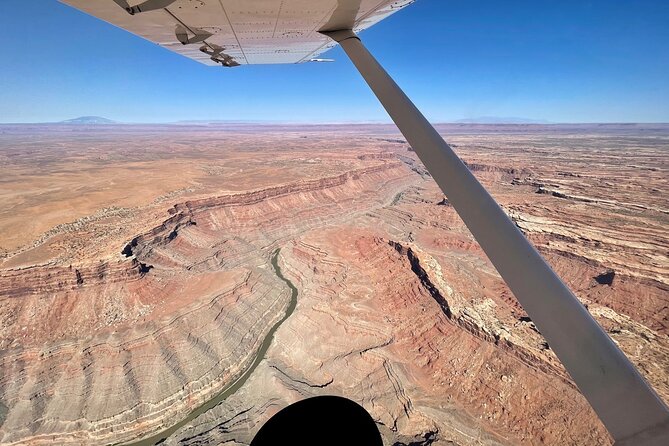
(501, 120)
(89, 120)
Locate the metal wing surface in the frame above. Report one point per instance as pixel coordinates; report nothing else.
(241, 32)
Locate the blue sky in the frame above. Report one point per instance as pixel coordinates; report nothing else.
(562, 61)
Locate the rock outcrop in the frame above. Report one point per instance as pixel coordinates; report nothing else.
(175, 318)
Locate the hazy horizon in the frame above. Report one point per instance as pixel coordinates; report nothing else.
(485, 120)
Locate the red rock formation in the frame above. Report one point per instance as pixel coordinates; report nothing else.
(165, 305)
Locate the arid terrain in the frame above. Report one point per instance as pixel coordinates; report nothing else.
(187, 282)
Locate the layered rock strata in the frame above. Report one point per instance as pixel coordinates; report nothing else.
(397, 306)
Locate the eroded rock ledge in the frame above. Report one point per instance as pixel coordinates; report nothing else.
(480, 320)
(110, 351)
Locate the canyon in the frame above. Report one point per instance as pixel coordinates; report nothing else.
(181, 284)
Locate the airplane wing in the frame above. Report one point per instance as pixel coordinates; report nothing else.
(241, 32)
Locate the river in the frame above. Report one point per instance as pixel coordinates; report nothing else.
(236, 385)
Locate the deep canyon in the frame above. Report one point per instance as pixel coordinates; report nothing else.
(146, 270)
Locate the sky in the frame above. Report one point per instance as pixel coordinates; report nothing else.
(559, 61)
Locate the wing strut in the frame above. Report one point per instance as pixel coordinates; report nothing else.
(629, 408)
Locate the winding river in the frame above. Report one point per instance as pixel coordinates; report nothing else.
(236, 385)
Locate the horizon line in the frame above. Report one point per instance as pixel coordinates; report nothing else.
(360, 122)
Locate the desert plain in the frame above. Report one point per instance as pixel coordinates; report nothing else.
(183, 283)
